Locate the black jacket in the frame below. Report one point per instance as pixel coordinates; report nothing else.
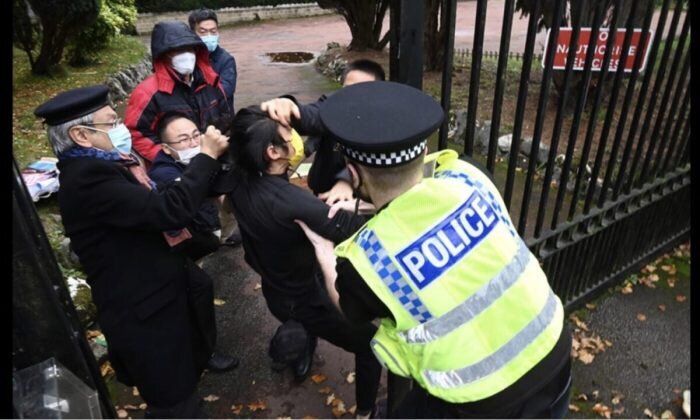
(138, 283)
(276, 247)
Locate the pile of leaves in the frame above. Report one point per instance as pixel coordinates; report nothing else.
(585, 344)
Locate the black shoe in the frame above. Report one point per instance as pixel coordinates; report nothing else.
(220, 362)
(303, 367)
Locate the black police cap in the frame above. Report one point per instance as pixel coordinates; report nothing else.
(381, 124)
(73, 104)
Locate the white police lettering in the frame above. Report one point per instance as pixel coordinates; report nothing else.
(448, 241)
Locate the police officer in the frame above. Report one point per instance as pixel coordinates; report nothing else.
(466, 311)
(115, 219)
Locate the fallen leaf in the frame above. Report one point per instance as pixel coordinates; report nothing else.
(574, 408)
(219, 302)
(594, 394)
(210, 398)
(93, 333)
(668, 415)
(578, 322)
(662, 307)
(325, 390)
(329, 399)
(615, 401)
(608, 343)
(575, 344)
(618, 411)
(650, 268)
(641, 317)
(601, 410)
(143, 406)
(130, 407)
(627, 289)
(648, 413)
(258, 405)
(338, 408)
(590, 306)
(236, 409)
(106, 369)
(122, 414)
(258, 286)
(585, 357)
(336, 402)
(318, 378)
(671, 269)
(671, 281)
(582, 397)
(654, 277)
(350, 378)
(352, 409)
(680, 298)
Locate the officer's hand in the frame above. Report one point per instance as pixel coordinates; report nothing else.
(341, 191)
(322, 246)
(213, 143)
(363, 208)
(281, 110)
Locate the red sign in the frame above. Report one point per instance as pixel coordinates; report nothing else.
(601, 44)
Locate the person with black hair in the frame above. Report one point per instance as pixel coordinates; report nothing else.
(183, 80)
(327, 178)
(204, 23)
(266, 205)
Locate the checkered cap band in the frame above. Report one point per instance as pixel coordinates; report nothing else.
(386, 159)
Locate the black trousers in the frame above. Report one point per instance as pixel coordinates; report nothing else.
(320, 318)
(200, 297)
(549, 402)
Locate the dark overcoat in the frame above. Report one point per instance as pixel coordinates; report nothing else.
(138, 283)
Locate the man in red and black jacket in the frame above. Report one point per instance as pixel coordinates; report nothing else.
(183, 81)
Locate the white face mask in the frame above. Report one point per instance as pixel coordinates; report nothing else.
(186, 155)
(183, 63)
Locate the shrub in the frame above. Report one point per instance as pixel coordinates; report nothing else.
(116, 17)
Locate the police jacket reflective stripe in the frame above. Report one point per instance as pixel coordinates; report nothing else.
(472, 308)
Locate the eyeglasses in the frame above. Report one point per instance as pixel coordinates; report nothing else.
(195, 136)
(113, 124)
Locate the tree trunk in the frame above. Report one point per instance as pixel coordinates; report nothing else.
(433, 35)
(365, 18)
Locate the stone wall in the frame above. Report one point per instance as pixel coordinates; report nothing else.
(123, 82)
(146, 21)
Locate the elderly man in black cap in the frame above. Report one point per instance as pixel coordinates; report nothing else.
(183, 81)
(466, 310)
(115, 220)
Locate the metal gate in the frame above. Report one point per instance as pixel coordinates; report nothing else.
(614, 189)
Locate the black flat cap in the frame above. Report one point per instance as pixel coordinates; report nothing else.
(73, 104)
(381, 124)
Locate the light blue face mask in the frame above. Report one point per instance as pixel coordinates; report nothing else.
(212, 41)
(119, 136)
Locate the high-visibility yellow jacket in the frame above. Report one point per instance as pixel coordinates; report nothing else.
(473, 311)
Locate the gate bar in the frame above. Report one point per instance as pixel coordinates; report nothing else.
(500, 83)
(684, 122)
(642, 97)
(556, 131)
(592, 120)
(539, 118)
(477, 50)
(612, 104)
(654, 93)
(522, 100)
(448, 24)
(578, 113)
(673, 113)
(631, 85)
(653, 139)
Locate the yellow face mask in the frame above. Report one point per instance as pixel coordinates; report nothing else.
(299, 156)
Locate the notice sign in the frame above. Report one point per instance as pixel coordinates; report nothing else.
(601, 44)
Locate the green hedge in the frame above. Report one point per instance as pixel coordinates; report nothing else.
(161, 6)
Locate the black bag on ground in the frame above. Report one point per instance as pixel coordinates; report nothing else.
(289, 342)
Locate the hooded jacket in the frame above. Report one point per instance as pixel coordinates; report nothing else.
(164, 90)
